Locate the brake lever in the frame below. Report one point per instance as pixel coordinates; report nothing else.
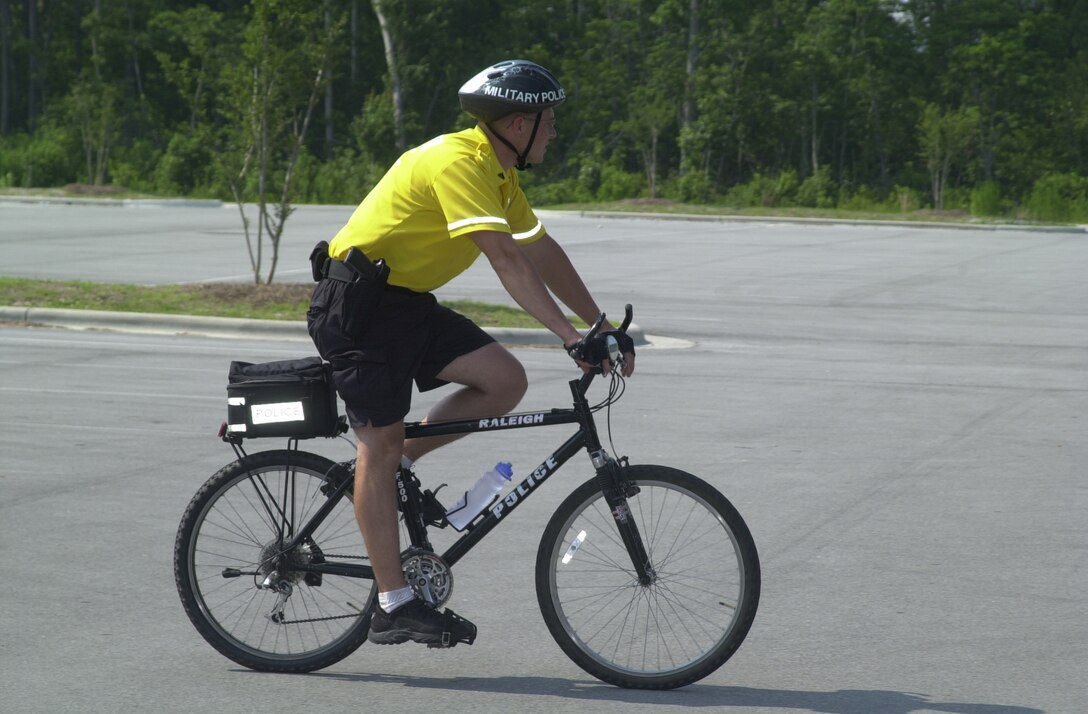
(595, 328)
(615, 355)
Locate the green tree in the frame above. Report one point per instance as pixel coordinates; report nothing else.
(269, 102)
(192, 52)
(945, 138)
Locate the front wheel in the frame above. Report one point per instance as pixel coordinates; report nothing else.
(245, 592)
(702, 593)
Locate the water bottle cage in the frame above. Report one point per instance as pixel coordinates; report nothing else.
(433, 512)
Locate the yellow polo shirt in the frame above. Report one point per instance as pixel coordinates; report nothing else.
(419, 216)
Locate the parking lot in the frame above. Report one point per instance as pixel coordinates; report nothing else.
(898, 413)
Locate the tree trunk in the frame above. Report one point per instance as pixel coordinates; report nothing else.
(394, 74)
(651, 163)
(687, 115)
(353, 72)
(34, 87)
(692, 64)
(137, 74)
(329, 138)
(815, 143)
(5, 66)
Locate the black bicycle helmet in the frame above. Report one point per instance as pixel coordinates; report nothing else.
(508, 87)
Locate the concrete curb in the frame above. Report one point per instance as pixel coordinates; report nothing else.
(216, 203)
(116, 202)
(834, 221)
(229, 327)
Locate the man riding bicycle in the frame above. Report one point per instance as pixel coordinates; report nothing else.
(373, 316)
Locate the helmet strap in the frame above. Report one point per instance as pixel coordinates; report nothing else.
(521, 155)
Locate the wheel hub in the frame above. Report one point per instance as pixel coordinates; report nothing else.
(285, 566)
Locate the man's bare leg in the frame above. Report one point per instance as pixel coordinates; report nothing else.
(377, 458)
(493, 383)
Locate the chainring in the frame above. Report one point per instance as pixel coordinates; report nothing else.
(428, 575)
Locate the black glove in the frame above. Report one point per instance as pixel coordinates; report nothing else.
(627, 345)
(595, 350)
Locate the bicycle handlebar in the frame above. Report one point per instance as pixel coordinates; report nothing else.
(615, 357)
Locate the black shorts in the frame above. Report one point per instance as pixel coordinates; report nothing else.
(410, 337)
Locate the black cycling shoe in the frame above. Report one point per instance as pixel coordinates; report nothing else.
(419, 622)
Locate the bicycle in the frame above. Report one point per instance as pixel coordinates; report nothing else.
(646, 576)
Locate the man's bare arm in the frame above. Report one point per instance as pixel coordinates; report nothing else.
(520, 278)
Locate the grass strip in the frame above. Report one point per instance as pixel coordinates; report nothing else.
(279, 301)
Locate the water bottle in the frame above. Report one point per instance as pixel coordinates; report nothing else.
(480, 496)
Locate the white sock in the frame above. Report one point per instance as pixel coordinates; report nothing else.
(393, 599)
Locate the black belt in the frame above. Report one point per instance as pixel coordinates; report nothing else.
(346, 273)
(354, 267)
(339, 270)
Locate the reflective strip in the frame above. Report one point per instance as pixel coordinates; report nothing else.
(575, 544)
(236, 401)
(529, 234)
(475, 221)
(236, 427)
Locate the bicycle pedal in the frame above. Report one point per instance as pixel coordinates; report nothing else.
(461, 632)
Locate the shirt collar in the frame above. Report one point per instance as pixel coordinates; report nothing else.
(487, 153)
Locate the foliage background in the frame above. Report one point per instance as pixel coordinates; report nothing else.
(896, 105)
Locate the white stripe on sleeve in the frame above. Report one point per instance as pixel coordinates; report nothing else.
(476, 221)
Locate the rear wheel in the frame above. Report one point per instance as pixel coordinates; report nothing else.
(244, 592)
(692, 615)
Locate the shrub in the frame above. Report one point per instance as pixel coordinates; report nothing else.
(551, 193)
(818, 190)
(691, 187)
(904, 199)
(49, 157)
(184, 164)
(764, 191)
(862, 200)
(986, 200)
(1059, 198)
(135, 167)
(617, 184)
(343, 180)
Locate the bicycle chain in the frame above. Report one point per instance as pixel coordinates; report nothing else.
(318, 619)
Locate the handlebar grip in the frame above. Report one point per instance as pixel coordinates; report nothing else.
(628, 313)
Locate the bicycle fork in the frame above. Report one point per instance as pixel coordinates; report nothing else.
(617, 490)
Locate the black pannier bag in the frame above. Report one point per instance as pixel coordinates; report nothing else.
(290, 398)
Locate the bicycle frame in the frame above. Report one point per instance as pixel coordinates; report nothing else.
(608, 472)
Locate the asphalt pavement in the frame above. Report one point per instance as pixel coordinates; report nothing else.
(897, 412)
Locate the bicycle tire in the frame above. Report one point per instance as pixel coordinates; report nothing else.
(686, 623)
(231, 525)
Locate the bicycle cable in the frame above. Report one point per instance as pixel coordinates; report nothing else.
(616, 388)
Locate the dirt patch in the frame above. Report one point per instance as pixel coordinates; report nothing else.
(648, 202)
(85, 189)
(942, 213)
